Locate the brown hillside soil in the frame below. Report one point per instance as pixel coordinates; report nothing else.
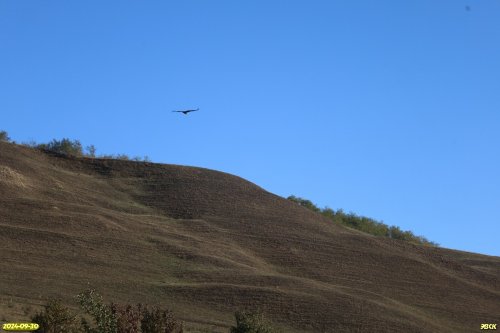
(206, 243)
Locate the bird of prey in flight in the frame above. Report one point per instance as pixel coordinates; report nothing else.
(187, 111)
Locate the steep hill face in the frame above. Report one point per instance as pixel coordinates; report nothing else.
(206, 243)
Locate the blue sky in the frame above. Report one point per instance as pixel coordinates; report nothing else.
(389, 109)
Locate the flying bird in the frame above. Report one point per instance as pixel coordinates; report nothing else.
(186, 111)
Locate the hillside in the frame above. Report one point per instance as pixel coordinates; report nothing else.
(206, 243)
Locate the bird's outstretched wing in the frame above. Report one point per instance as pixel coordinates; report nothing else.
(187, 111)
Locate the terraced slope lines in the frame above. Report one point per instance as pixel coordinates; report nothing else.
(206, 243)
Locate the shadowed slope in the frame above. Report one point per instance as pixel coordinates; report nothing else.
(206, 243)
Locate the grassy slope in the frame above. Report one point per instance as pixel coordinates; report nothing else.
(206, 243)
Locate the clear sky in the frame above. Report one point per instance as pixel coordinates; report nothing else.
(389, 109)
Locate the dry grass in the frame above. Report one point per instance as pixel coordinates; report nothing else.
(10, 177)
(205, 243)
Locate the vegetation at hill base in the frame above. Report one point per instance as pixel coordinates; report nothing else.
(106, 318)
(252, 322)
(361, 223)
(115, 318)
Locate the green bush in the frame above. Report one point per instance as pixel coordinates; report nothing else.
(55, 318)
(156, 320)
(4, 136)
(104, 319)
(64, 146)
(364, 224)
(251, 322)
(116, 318)
(304, 203)
(128, 318)
(90, 151)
